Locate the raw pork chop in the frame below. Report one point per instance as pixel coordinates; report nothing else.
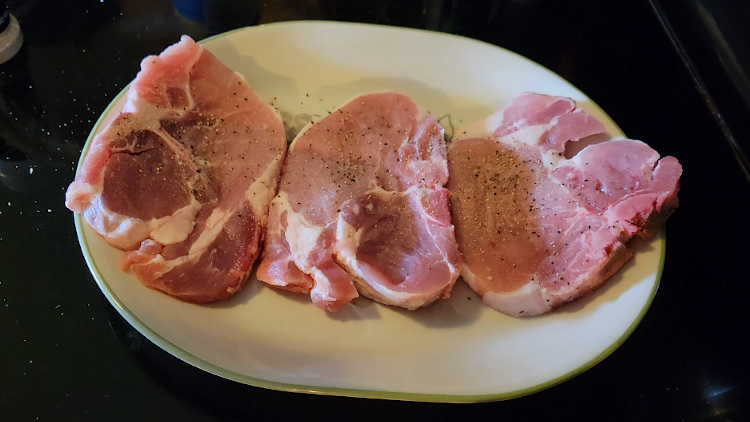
(184, 176)
(362, 207)
(536, 229)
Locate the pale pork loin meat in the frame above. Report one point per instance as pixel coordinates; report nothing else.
(362, 208)
(182, 179)
(537, 229)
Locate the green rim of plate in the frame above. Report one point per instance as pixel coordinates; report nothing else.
(334, 391)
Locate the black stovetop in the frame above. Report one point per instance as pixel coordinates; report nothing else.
(66, 354)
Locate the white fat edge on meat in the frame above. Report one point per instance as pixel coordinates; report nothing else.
(346, 256)
(552, 159)
(85, 192)
(214, 225)
(119, 230)
(528, 300)
(81, 191)
(301, 235)
(191, 100)
(154, 114)
(158, 266)
(125, 231)
(322, 286)
(133, 100)
(302, 238)
(262, 190)
(176, 227)
(348, 240)
(258, 194)
(469, 277)
(277, 230)
(429, 218)
(405, 300)
(530, 135)
(141, 114)
(422, 114)
(274, 205)
(137, 106)
(347, 243)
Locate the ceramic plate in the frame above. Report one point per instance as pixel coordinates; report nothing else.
(457, 350)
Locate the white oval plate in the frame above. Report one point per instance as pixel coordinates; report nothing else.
(457, 350)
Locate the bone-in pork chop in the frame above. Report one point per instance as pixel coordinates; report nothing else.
(183, 177)
(536, 229)
(362, 208)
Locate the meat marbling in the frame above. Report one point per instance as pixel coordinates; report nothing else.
(537, 229)
(183, 177)
(362, 208)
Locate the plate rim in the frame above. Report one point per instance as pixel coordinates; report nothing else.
(217, 370)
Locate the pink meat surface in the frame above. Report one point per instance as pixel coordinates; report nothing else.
(182, 179)
(362, 208)
(537, 229)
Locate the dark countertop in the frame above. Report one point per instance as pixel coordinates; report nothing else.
(65, 353)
